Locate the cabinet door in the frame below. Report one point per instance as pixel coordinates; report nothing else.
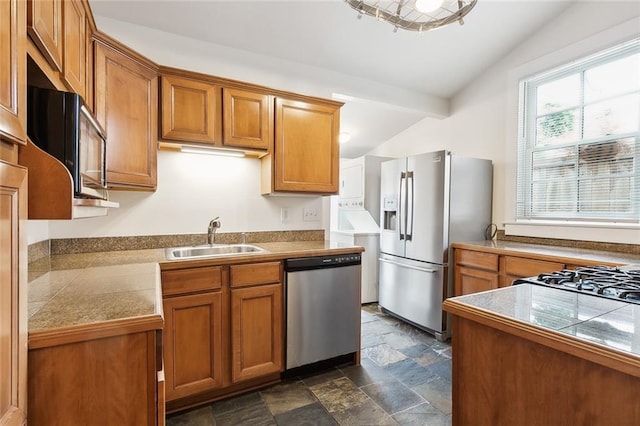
(247, 119)
(352, 182)
(469, 280)
(190, 110)
(256, 331)
(74, 52)
(13, 295)
(192, 344)
(44, 20)
(13, 74)
(126, 96)
(306, 147)
(89, 69)
(99, 381)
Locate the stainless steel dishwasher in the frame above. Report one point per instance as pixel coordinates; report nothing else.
(323, 308)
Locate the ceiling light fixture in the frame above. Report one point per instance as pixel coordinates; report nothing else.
(344, 137)
(415, 15)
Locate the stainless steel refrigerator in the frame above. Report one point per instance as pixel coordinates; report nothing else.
(427, 202)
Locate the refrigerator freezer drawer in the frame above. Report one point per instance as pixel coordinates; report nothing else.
(413, 291)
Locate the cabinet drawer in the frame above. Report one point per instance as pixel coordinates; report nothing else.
(255, 274)
(191, 280)
(521, 267)
(477, 259)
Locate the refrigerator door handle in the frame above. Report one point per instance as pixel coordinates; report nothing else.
(402, 206)
(409, 213)
(433, 271)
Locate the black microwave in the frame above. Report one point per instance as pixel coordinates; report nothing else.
(60, 124)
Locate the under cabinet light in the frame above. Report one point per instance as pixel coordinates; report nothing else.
(210, 151)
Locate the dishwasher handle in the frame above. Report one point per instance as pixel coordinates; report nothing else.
(404, 265)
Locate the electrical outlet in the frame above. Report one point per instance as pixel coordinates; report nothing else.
(310, 215)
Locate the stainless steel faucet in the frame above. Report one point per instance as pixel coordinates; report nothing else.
(211, 231)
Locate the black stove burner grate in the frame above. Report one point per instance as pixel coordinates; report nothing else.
(603, 281)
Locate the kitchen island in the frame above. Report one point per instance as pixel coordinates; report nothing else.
(531, 355)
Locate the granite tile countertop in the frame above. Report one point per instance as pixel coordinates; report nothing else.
(606, 323)
(81, 296)
(89, 288)
(550, 252)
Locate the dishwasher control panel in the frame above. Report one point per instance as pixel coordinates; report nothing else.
(317, 262)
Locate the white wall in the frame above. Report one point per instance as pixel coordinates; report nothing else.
(483, 116)
(192, 190)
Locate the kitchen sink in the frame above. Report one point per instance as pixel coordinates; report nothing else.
(214, 250)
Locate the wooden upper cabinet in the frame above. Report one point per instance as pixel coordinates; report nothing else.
(88, 67)
(13, 77)
(75, 47)
(190, 110)
(248, 118)
(306, 153)
(13, 294)
(44, 20)
(126, 104)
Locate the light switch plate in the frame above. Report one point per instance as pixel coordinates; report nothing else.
(284, 215)
(310, 215)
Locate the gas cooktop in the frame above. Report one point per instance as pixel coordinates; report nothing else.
(602, 281)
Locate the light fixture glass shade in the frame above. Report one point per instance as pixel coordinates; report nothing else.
(426, 6)
(406, 14)
(344, 137)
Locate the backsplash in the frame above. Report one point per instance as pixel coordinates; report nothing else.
(99, 244)
(587, 245)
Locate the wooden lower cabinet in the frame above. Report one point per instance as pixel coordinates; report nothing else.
(193, 344)
(104, 381)
(507, 375)
(256, 331)
(470, 280)
(224, 328)
(518, 267)
(477, 270)
(13, 295)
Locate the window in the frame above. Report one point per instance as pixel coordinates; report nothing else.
(579, 140)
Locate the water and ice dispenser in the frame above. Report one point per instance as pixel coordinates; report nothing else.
(390, 213)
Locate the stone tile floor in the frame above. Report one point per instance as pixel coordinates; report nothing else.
(404, 379)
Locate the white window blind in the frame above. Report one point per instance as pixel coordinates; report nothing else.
(579, 140)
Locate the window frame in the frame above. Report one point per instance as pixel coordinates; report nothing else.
(527, 130)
